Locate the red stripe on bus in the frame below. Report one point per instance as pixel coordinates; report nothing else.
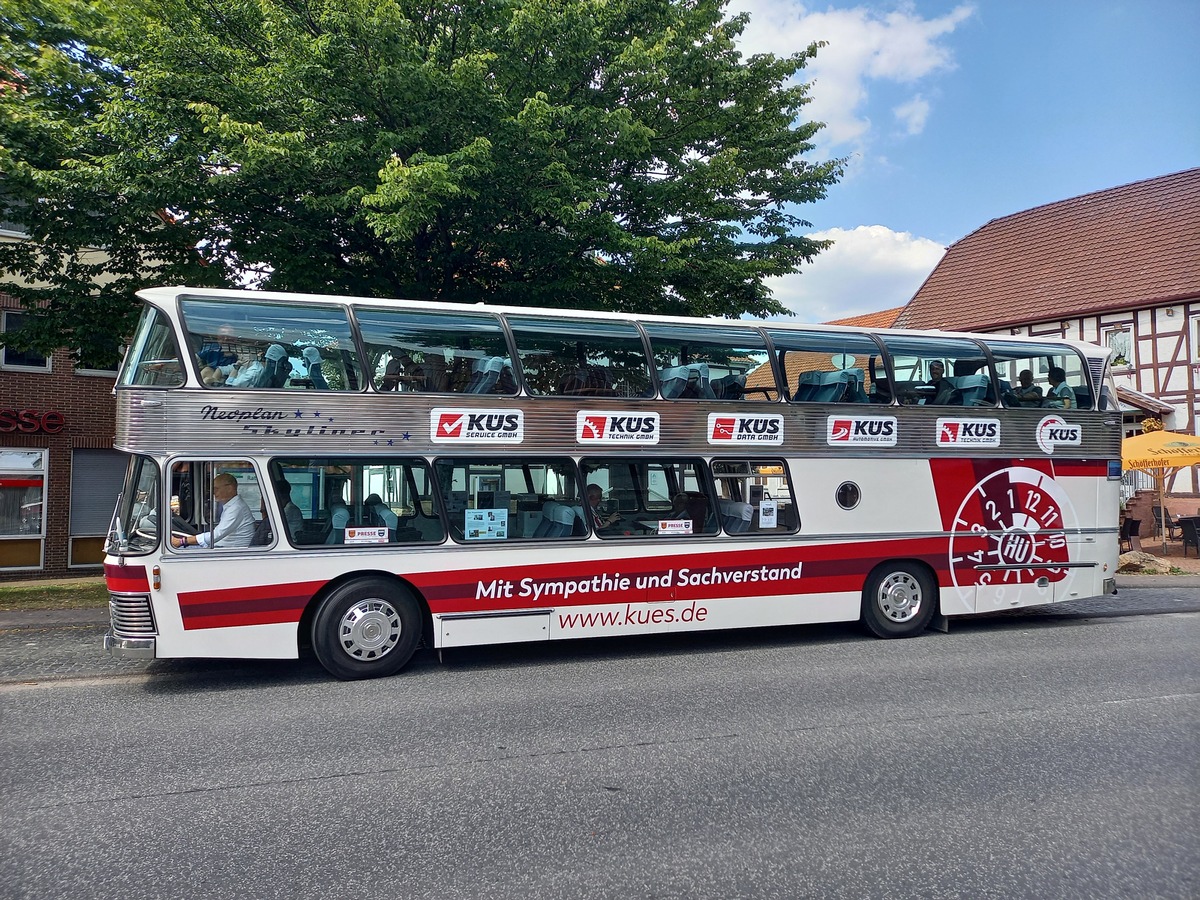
(126, 579)
(824, 569)
(270, 604)
(832, 567)
(1080, 468)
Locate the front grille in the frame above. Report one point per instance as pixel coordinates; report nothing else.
(130, 615)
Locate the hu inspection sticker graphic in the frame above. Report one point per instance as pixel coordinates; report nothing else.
(877, 431)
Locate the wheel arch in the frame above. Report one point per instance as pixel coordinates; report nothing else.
(304, 627)
(917, 562)
(917, 565)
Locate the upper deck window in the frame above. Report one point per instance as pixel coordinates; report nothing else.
(938, 371)
(708, 362)
(830, 367)
(153, 357)
(460, 352)
(581, 358)
(1040, 376)
(272, 345)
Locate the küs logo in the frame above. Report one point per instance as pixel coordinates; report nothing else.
(968, 433)
(879, 431)
(452, 426)
(616, 428)
(727, 429)
(1052, 432)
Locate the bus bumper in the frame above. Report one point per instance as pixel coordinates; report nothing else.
(1110, 586)
(129, 648)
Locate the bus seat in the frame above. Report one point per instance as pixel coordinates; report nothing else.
(558, 520)
(971, 390)
(262, 533)
(698, 385)
(735, 516)
(1083, 397)
(807, 386)
(731, 387)
(881, 391)
(855, 392)
(485, 372)
(277, 368)
(674, 380)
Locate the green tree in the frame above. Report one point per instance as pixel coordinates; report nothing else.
(599, 154)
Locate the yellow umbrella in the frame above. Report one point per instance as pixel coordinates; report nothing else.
(1157, 452)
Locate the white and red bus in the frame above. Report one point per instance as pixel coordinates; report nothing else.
(460, 475)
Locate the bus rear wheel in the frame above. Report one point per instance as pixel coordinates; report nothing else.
(898, 600)
(368, 628)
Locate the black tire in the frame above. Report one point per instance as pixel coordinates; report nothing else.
(899, 599)
(367, 628)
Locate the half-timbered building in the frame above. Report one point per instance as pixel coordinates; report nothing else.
(1118, 267)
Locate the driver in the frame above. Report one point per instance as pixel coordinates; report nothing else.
(236, 526)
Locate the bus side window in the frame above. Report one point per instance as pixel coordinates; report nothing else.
(754, 497)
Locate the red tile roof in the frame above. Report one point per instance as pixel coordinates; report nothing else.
(1132, 246)
(885, 318)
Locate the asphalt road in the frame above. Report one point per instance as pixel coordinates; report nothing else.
(1043, 754)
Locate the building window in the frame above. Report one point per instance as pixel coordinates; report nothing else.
(96, 480)
(12, 358)
(22, 508)
(1119, 339)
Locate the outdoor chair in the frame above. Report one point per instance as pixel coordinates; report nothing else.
(1130, 529)
(1188, 528)
(1163, 518)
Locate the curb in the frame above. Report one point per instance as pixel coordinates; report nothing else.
(52, 618)
(1158, 581)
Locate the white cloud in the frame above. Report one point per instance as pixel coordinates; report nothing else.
(868, 269)
(864, 44)
(912, 115)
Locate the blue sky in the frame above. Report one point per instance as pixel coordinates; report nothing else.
(954, 113)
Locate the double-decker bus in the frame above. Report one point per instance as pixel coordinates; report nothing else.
(363, 476)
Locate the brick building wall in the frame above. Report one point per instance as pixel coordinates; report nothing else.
(88, 411)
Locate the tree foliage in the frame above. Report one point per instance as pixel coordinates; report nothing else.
(599, 154)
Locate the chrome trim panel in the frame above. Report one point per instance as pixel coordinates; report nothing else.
(129, 648)
(1040, 565)
(198, 422)
(131, 615)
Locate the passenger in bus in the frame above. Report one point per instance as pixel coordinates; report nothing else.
(391, 375)
(312, 359)
(1060, 395)
(942, 390)
(291, 512)
(247, 370)
(403, 373)
(600, 521)
(1024, 392)
(235, 528)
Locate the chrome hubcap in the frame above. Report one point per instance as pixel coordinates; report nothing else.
(900, 597)
(370, 629)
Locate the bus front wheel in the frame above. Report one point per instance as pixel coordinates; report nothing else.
(898, 600)
(368, 628)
